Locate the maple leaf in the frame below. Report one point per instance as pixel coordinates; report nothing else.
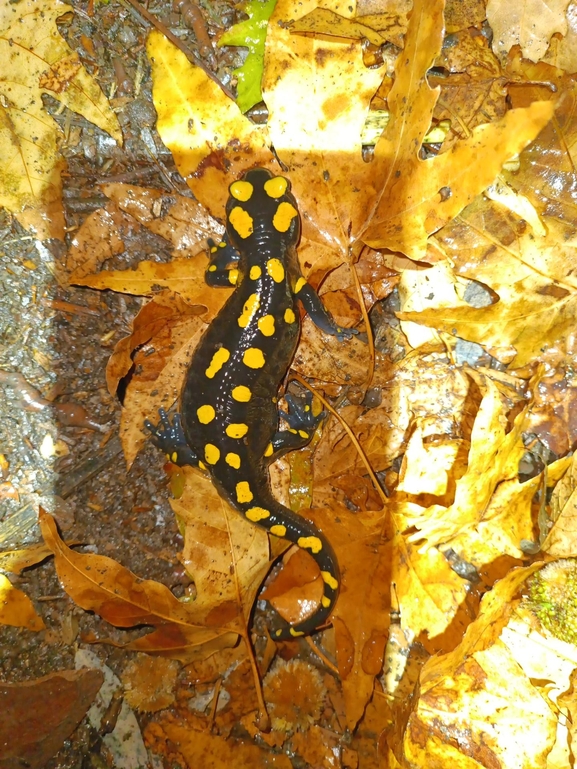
(532, 277)
(493, 457)
(481, 690)
(37, 60)
(316, 132)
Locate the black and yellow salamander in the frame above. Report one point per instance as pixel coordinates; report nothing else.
(228, 421)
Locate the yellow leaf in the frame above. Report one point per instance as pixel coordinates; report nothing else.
(528, 23)
(16, 608)
(35, 60)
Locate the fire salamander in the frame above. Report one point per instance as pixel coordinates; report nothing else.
(228, 421)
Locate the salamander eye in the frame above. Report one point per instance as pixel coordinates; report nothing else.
(276, 187)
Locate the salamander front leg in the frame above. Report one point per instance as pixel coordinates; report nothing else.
(302, 423)
(320, 316)
(222, 269)
(169, 437)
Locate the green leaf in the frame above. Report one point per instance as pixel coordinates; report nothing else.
(250, 34)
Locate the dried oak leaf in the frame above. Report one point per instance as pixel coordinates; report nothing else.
(529, 23)
(38, 716)
(100, 584)
(178, 744)
(171, 328)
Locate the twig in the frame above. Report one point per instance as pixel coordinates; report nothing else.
(349, 432)
(190, 55)
(321, 656)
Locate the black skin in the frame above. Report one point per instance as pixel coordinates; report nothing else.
(250, 344)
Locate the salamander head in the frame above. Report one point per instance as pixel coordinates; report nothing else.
(261, 208)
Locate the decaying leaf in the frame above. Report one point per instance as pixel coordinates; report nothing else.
(36, 60)
(38, 716)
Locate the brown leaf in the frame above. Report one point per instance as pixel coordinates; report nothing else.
(38, 716)
(173, 739)
(361, 626)
(181, 221)
(99, 584)
(99, 238)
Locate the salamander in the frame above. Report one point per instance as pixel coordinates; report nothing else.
(229, 418)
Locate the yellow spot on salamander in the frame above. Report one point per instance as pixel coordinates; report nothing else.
(257, 514)
(241, 221)
(255, 272)
(236, 430)
(329, 579)
(275, 269)
(233, 276)
(213, 250)
(326, 602)
(313, 544)
(289, 316)
(212, 267)
(295, 633)
(241, 191)
(211, 453)
(292, 430)
(219, 358)
(268, 451)
(303, 434)
(205, 414)
(299, 285)
(266, 325)
(222, 244)
(241, 394)
(202, 465)
(278, 530)
(243, 492)
(250, 307)
(276, 187)
(278, 632)
(285, 213)
(174, 457)
(233, 460)
(253, 358)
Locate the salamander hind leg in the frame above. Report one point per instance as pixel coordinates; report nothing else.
(169, 437)
(302, 421)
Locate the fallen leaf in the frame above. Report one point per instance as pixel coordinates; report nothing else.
(36, 60)
(38, 716)
(99, 584)
(16, 608)
(530, 24)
